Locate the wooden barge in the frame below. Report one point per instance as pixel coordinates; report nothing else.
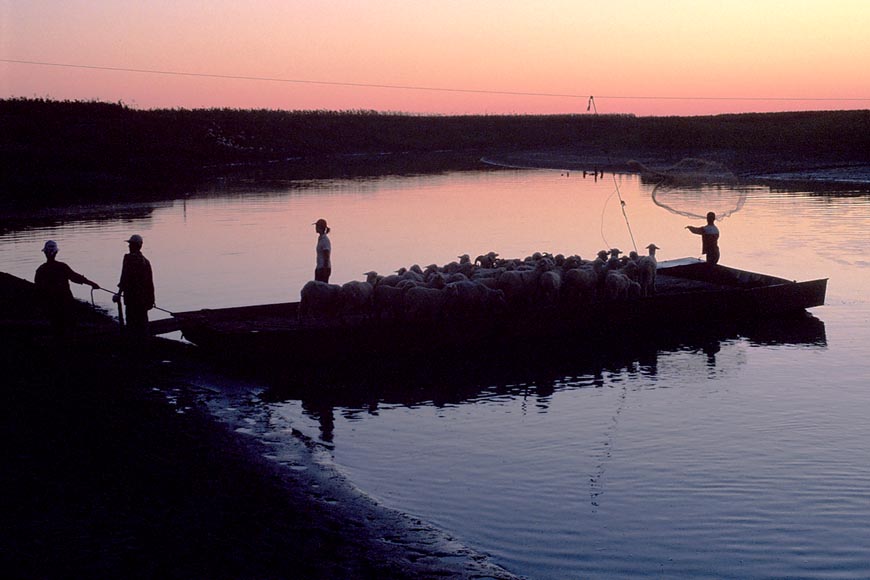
(691, 295)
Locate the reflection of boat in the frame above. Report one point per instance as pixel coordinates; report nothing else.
(692, 296)
(536, 368)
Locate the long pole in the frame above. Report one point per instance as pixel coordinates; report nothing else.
(120, 310)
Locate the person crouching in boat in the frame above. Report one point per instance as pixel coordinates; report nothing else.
(324, 252)
(709, 238)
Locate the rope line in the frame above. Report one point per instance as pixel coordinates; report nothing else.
(624, 215)
(422, 88)
(591, 105)
(118, 294)
(603, 211)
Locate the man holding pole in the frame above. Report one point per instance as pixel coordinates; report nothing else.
(136, 287)
(52, 283)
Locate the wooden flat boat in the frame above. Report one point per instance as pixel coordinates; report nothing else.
(691, 295)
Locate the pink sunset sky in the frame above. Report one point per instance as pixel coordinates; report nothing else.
(484, 57)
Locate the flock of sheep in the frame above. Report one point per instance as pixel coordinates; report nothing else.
(485, 286)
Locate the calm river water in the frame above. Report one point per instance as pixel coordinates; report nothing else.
(747, 457)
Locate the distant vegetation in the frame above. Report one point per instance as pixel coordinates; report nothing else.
(62, 150)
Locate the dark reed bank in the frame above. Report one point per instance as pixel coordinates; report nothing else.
(103, 477)
(62, 150)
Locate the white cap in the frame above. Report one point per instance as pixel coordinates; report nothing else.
(135, 239)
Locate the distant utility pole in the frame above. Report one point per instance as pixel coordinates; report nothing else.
(591, 105)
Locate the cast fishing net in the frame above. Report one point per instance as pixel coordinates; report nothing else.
(692, 187)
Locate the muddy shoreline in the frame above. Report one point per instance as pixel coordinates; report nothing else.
(112, 470)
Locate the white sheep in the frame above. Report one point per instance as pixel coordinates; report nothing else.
(320, 299)
(463, 266)
(401, 275)
(518, 286)
(436, 280)
(422, 303)
(572, 262)
(356, 297)
(549, 285)
(617, 285)
(647, 268)
(630, 268)
(470, 299)
(388, 300)
(599, 264)
(580, 284)
(414, 273)
(613, 262)
(487, 260)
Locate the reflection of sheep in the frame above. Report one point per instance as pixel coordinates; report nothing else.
(320, 299)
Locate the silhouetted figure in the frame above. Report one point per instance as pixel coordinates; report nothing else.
(52, 282)
(324, 252)
(136, 287)
(709, 238)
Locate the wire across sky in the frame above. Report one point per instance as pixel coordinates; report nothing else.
(426, 88)
(681, 57)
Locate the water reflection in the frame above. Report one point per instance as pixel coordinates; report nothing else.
(531, 372)
(509, 450)
(80, 216)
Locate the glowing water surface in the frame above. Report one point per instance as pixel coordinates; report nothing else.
(743, 457)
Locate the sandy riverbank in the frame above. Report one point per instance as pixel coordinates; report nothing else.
(107, 476)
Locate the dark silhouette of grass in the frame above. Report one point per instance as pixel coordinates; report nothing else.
(73, 150)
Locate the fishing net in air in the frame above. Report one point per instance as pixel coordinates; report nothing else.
(692, 187)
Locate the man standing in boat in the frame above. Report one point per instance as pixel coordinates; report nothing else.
(136, 287)
(324, 252)
(709, 238)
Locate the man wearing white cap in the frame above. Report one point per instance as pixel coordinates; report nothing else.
(136, 287)
(52, 282)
